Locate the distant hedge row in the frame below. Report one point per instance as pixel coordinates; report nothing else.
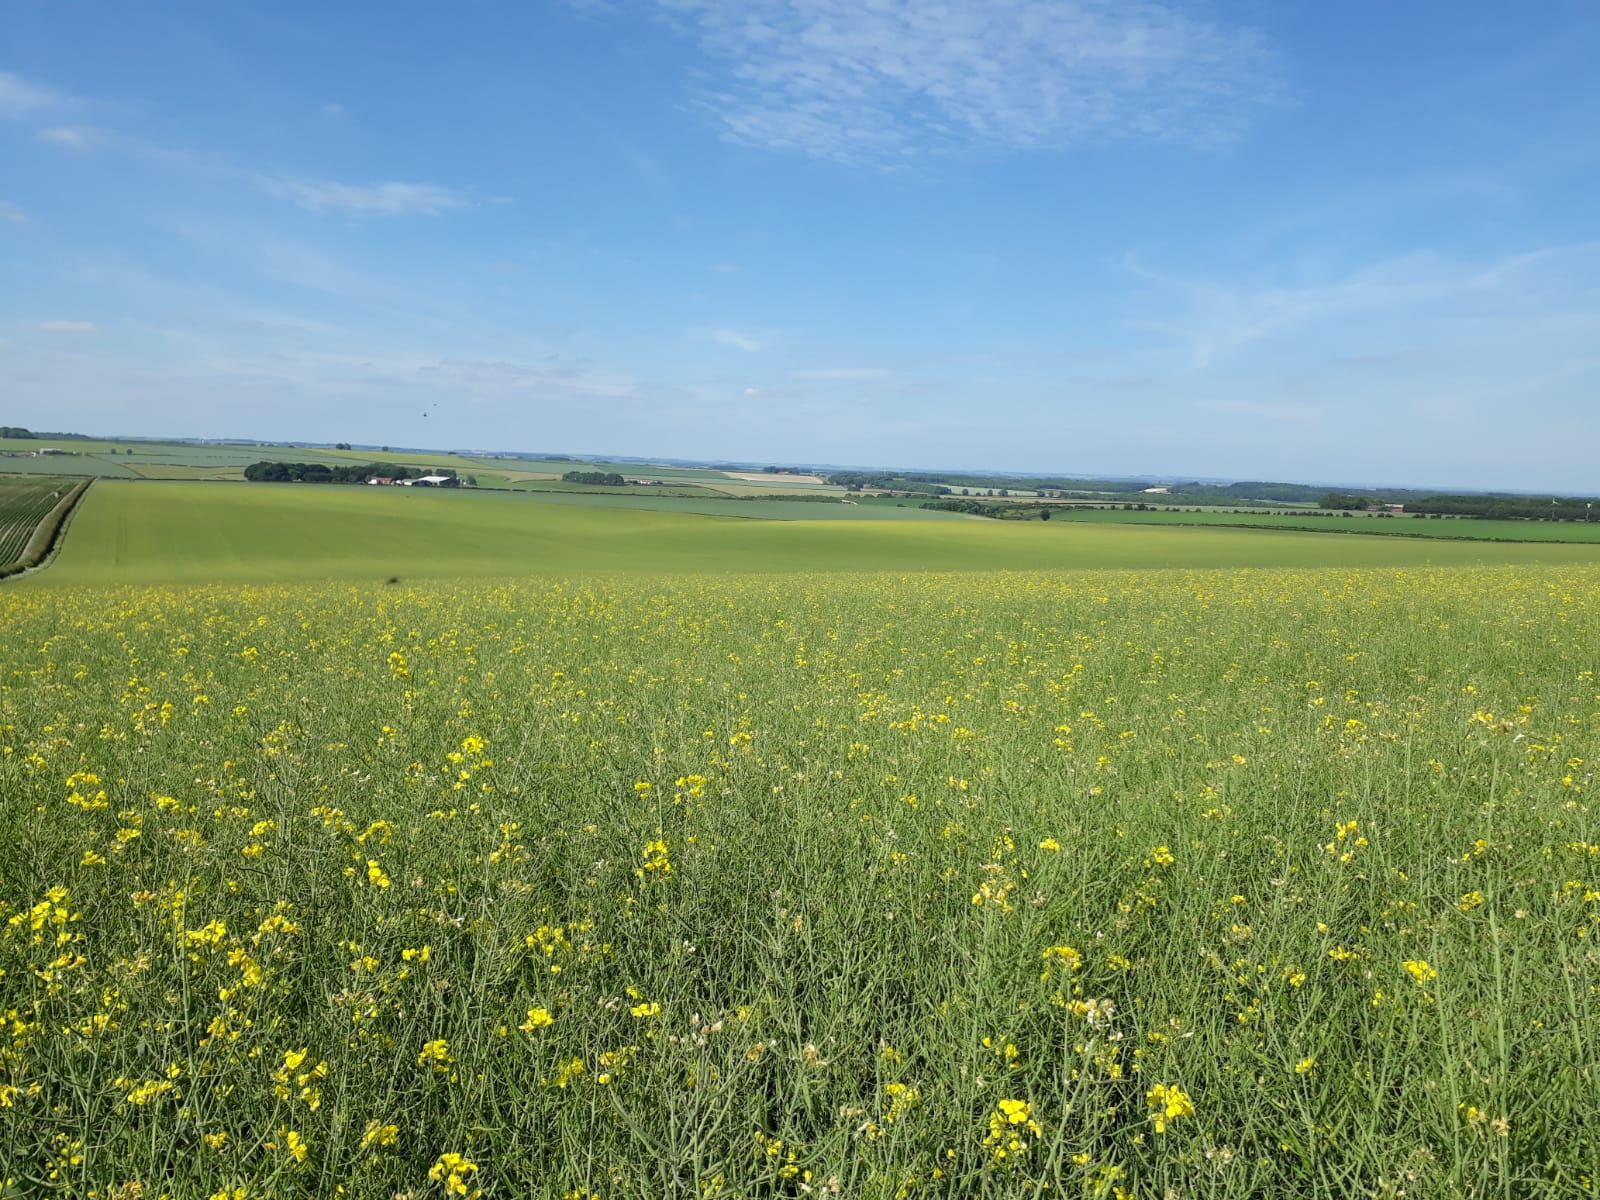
(46, 532)
(272, 471)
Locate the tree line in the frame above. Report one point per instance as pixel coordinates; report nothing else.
(1000, 511)
(296, 472)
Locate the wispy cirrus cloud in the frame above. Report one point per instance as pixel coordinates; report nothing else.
(390, 199)
(739, 341)
(555, 378)
(893, 79)
(844, 374)
(12, 212)
(66, 326)
(1545, 292)
(19, 97)
(72, 137)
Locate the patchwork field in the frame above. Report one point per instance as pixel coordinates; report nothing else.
(185, 460)
(1141, 884)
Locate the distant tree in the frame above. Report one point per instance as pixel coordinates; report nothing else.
(595, 478)
(289, 472)
(341, 445)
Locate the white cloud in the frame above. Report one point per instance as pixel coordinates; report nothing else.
(65, 135)
(389, 199)
(12, 212)
(18, 96)
(556, 378)
(740, 341)
(1218, 320)
(846, 374)
(845, 80)
(67, 326)
(381, 199)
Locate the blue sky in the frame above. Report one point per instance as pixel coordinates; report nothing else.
(1355, 242)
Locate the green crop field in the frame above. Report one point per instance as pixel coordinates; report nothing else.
(1097, 884)
(74, 466)
(204, 532)
(24, 502)
(766, 506)
(1319, 521)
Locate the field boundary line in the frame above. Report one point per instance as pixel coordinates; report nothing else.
(47, 536)
(1390, 533)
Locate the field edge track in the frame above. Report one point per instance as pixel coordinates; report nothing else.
(47, 535)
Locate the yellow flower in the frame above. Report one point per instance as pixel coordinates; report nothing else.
(1168, 1102)
(1065, 955)
(379, 1134)
(569, 1071)
(656, 857)
(1010, 1121)
(537, 1018)
(436, 1054)
(452, 1171)
(1420, 971)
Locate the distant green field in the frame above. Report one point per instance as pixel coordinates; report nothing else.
(707, 477)
(135, 459)
(148, 532)
(590, 489)
(177, 471)
(68, 465)
(1371, 523)
(754, 505)
(183, 460)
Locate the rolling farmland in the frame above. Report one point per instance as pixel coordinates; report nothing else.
(482, 844)
(201, 532)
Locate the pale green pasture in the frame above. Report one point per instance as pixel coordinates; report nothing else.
(173, 531)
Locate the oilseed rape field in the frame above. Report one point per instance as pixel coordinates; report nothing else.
(1099, 884)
